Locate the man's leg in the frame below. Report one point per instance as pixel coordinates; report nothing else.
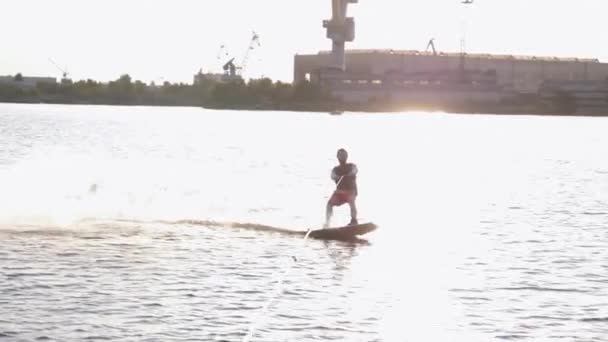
(329, 210)
(353, 211)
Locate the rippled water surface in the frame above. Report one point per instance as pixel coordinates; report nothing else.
(170, 224)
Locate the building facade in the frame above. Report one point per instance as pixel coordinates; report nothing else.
(26, 82)
(576, 97)
(520, 74)
(201, 78)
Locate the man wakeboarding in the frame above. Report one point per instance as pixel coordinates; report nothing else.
(345, 176)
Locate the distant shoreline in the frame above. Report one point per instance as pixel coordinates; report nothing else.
(327, 111)
(266, 95)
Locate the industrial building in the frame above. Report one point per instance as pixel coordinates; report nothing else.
(518, 73)
(202, 78)
(364, 76)
(26, 82)
(576, 97)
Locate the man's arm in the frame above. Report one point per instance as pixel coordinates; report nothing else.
(353, 170)
(334, 175)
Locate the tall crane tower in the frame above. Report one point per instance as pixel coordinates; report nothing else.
(340, 29)
(431, 45)
(230, 68)
(463, 42)
(253, 43)
(64, 73)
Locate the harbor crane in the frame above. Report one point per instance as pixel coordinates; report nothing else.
(230, 68)
(463, 42)
(253, 43)
(340, 29)
(431, 45)
(64, 72)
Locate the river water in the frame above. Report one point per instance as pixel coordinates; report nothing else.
(154, 224)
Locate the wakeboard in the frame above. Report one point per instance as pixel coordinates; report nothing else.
(343, 233)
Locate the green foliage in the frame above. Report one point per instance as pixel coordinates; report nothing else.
(255, 94)
(9, 93)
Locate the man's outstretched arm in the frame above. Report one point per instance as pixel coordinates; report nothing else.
(334, 175)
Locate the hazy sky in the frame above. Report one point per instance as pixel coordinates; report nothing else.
(171, 40)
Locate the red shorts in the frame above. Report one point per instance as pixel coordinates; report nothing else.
(341, 197)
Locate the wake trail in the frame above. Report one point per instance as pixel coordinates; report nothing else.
(238, 225)
(117, 223)
(218, 224)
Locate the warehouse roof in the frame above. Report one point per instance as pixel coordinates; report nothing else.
(470, 55)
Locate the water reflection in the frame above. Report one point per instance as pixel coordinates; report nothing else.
(342, 253)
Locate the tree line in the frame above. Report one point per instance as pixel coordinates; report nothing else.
(235, 94)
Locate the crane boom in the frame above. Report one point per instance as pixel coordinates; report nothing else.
(64, 72)
(254, 42)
